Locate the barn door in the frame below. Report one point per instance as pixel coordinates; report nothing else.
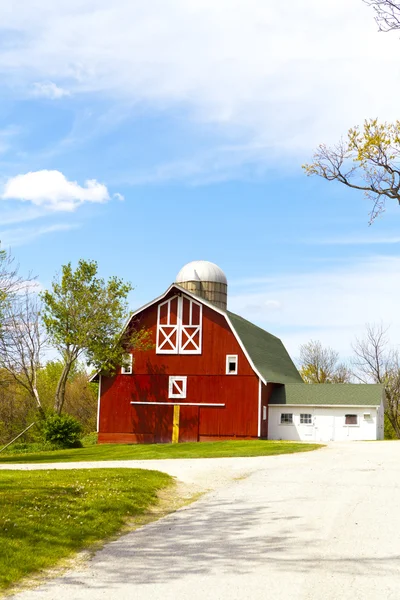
(179, 326)
(168, 323)
(190, 334)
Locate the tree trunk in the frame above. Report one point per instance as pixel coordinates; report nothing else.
(39, 404)
(60, 392)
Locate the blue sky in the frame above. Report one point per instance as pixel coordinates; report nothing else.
(145, 136)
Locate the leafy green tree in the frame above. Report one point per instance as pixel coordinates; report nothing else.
(320, 365)
(84, 316)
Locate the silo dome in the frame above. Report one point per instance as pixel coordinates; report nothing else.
(205, 279)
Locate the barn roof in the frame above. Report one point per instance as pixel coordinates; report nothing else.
(329, 394)
(267, 352)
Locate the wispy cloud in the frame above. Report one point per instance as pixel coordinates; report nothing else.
(330, 304)
(49, 89)
(25, 235)
(354, 240)
(273, 74)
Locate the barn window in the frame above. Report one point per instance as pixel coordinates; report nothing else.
(264, 413)
(190, 330)
(351, 419)
(126, 368)
(305, 419)
(167, 327)
(177, 387)
(179, 324)
(286, 419)
(231, 364)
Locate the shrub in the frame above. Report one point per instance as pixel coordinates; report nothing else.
(63, 431)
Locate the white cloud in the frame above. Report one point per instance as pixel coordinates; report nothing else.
(24, 235)
(287, 75)
(48, 89)
(52, 191)
(332, 305)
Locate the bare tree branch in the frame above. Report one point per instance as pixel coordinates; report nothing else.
(368, 161)
(387, 14)
(22, 342)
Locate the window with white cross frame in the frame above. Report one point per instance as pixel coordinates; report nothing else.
(179, 326)
(177, 387)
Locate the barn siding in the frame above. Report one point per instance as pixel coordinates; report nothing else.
(206, 383)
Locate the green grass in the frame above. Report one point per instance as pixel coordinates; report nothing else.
(46, 516)
(157, 451)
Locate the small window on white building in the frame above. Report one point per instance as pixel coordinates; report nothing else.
(177, 387)
(305, 419)
(367, 416)
(126, 368)
(351, 419)
(231, 364)
(286, 418)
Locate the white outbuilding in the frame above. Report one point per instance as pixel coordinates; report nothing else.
(326, 412)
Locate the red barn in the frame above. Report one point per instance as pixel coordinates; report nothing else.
(209, 376)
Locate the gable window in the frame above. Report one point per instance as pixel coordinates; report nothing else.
(286, 418)
(167, 327)
(351, 420)
(126, 368)
(190, 330)
(231, 364)
(305, 419)
(177, 387)
(179, 326)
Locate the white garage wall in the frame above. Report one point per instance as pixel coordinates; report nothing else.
(328, 423)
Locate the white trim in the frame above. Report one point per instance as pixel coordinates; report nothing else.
(259, 406)
(330, 405)
(178, 404)
(129, 369)
(174, 380)
(229, 358)
(167, 329)
(205, 303)
(182, 328)
(98, 406)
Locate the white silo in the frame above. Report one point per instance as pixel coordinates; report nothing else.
(205, 279)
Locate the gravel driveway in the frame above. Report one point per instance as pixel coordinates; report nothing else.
(322, 525)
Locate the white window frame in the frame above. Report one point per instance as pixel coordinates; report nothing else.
(286, 422)
(177, 379)
(180, 329)
(264, 415)
(305, 422)
(128, 370)
(171, 329)
(229, 358)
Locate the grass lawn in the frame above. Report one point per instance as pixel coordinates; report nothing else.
(46, 516)
(155, 451)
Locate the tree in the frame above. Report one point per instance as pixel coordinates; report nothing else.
(368, 160)
(387, 14)
(320, 365)
(22, 342)
(376, 362)
(84, 316)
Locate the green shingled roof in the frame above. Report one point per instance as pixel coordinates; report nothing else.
(325, 394)
(266, 351)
